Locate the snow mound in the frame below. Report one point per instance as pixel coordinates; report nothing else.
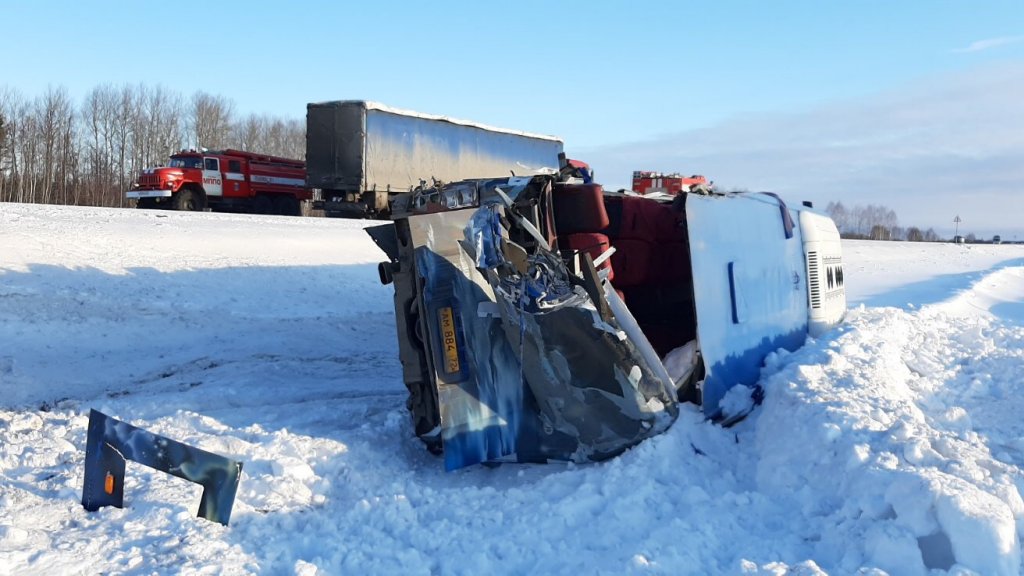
(893, 444)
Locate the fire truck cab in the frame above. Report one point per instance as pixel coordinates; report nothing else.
(226, 180)
(645, 183)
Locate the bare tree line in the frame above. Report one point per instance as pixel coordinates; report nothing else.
(53, 151)
(874, 222)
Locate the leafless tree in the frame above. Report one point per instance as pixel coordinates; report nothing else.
(158, 126)
(267, 135)
(3, 134)
(286, 138)
(99, 118)
(8, 97)
(210, 121)
(880, 232)
(57, 129)
(125, 114)
(15, 110)
(872, 221)
(839, 215)
(247, 133)
(44, 148)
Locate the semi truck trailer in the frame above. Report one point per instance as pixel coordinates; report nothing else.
(361, 154)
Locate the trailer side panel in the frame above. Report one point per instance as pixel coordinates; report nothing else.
(402, 150)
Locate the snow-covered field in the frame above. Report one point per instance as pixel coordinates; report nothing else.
(894, 443)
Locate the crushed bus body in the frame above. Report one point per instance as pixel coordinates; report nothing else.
(541, 318)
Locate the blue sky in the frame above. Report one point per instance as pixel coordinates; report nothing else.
(605, 76)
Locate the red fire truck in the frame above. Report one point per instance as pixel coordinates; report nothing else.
(228, 180)
(673, 184)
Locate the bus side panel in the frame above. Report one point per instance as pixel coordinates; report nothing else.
(750, 287)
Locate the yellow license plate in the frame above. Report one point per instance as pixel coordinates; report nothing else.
(448, 340)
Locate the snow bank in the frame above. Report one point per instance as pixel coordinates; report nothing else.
(879, 435)
(893, 443)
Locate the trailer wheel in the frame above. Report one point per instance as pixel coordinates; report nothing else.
(262, 205)
(185, 200)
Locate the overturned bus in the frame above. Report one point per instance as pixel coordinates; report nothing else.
(542, 318)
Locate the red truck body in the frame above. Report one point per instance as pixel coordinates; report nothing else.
(672, 184)
(229, 180)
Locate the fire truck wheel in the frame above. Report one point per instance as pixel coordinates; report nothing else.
(186, 200)
(262, 205)
(287, 206)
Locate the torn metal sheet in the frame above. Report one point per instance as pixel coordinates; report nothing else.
(590, 381)
(110, 443)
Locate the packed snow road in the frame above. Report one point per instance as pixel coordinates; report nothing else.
(892, 444)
